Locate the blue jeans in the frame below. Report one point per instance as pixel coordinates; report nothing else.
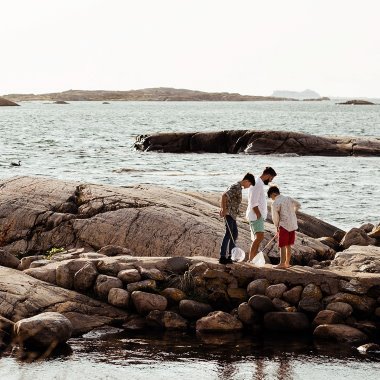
(227, 243)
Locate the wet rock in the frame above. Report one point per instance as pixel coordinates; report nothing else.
(276, 291)
(142, 285)
(218, 321)
(151, 274)
(293, 295)
(260, 303)
(43, 330)
(369, 348)
(340, 333)
(327, 317)
(344, 309)
(173, 295)
(146, 302)
(367, 327)
(8, 260)
(167, 320)
(312, 291)
(357, 236)
(310, 305)
(118, 297)
(287, 322)
(114, 250)
(85, 278)
(129, 275)
(246, 314)
(194, 309)
(104, 284)
(258, 286)
(135, 322)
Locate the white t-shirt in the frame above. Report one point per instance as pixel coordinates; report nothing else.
(256, 197)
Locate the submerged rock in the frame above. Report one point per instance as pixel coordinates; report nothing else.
(340, 333)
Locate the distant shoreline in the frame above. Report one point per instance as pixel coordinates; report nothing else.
(149, 94)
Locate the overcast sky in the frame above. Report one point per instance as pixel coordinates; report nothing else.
(246, 46)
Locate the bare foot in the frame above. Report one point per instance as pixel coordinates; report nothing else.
(281, 266)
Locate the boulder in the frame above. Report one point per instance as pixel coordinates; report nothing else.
(129, 275)
(363, 304)
(85, 278)
(8, 260)
(280, 304)
(142, 285)
(312, 291)
(286, 322)
(327, 317)
(357, 236)
(43, 330)
(246, 314)
(375, 233)
(309, 305)
(276, 291)
(114, 250)
(258, 286)
(340, 333)
(369, 348)
(367, 227)
(46, 273)
(260, 303)
(66, 270)
(173, 295)
(344, 309)
(151, 274)
(293, 295)
(111, 266)
(6, 324)
(219, 300)
(193, 309)
(118, 297)
(178, 265)
(104, 284)
(146, 302)
(167, 320)
(135, 322)
(218, 321)
(358, 259)
(237, 295)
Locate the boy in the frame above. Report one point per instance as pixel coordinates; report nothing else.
(285, 219)
(229, 210)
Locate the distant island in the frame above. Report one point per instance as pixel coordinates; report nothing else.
(303, 95)
(147, 94)
(7, 102)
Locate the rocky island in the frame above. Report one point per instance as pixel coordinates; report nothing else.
(5, 102)
(77, 256)
(258, 142)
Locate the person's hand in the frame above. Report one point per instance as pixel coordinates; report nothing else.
(258, 214)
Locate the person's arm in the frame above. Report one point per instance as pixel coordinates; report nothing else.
(223, 205)
(275, 215)
(255, 201)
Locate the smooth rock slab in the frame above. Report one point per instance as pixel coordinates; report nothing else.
(218, 321)
(43, 330)
(286, 322)
(147, 302)
(340, 333)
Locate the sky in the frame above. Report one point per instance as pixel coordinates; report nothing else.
(247, 46)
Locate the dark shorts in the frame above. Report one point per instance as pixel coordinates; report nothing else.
(286, 237)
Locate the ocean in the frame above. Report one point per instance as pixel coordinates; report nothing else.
(93, 142)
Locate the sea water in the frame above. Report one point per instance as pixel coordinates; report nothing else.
(93, 142)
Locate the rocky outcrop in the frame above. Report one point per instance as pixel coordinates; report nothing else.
(6, 102)
(22, 296)
(358, 102)
(258, 142)
(39, 214)
(45, 330)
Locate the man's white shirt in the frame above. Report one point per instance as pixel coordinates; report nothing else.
(256, 197)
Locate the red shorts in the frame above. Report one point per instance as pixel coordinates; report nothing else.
(286, 237)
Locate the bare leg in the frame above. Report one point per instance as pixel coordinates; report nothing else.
(259, 236)
(282, 258)
(288, 255)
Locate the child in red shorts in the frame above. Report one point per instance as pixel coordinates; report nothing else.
(285, 219)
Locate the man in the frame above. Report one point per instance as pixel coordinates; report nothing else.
(257, 209)
(229, 210)
(285, 219)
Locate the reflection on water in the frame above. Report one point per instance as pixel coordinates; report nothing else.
(123, 355)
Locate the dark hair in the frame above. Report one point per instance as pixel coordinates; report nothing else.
(273, 190)
(250, 177)
(270, 171)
